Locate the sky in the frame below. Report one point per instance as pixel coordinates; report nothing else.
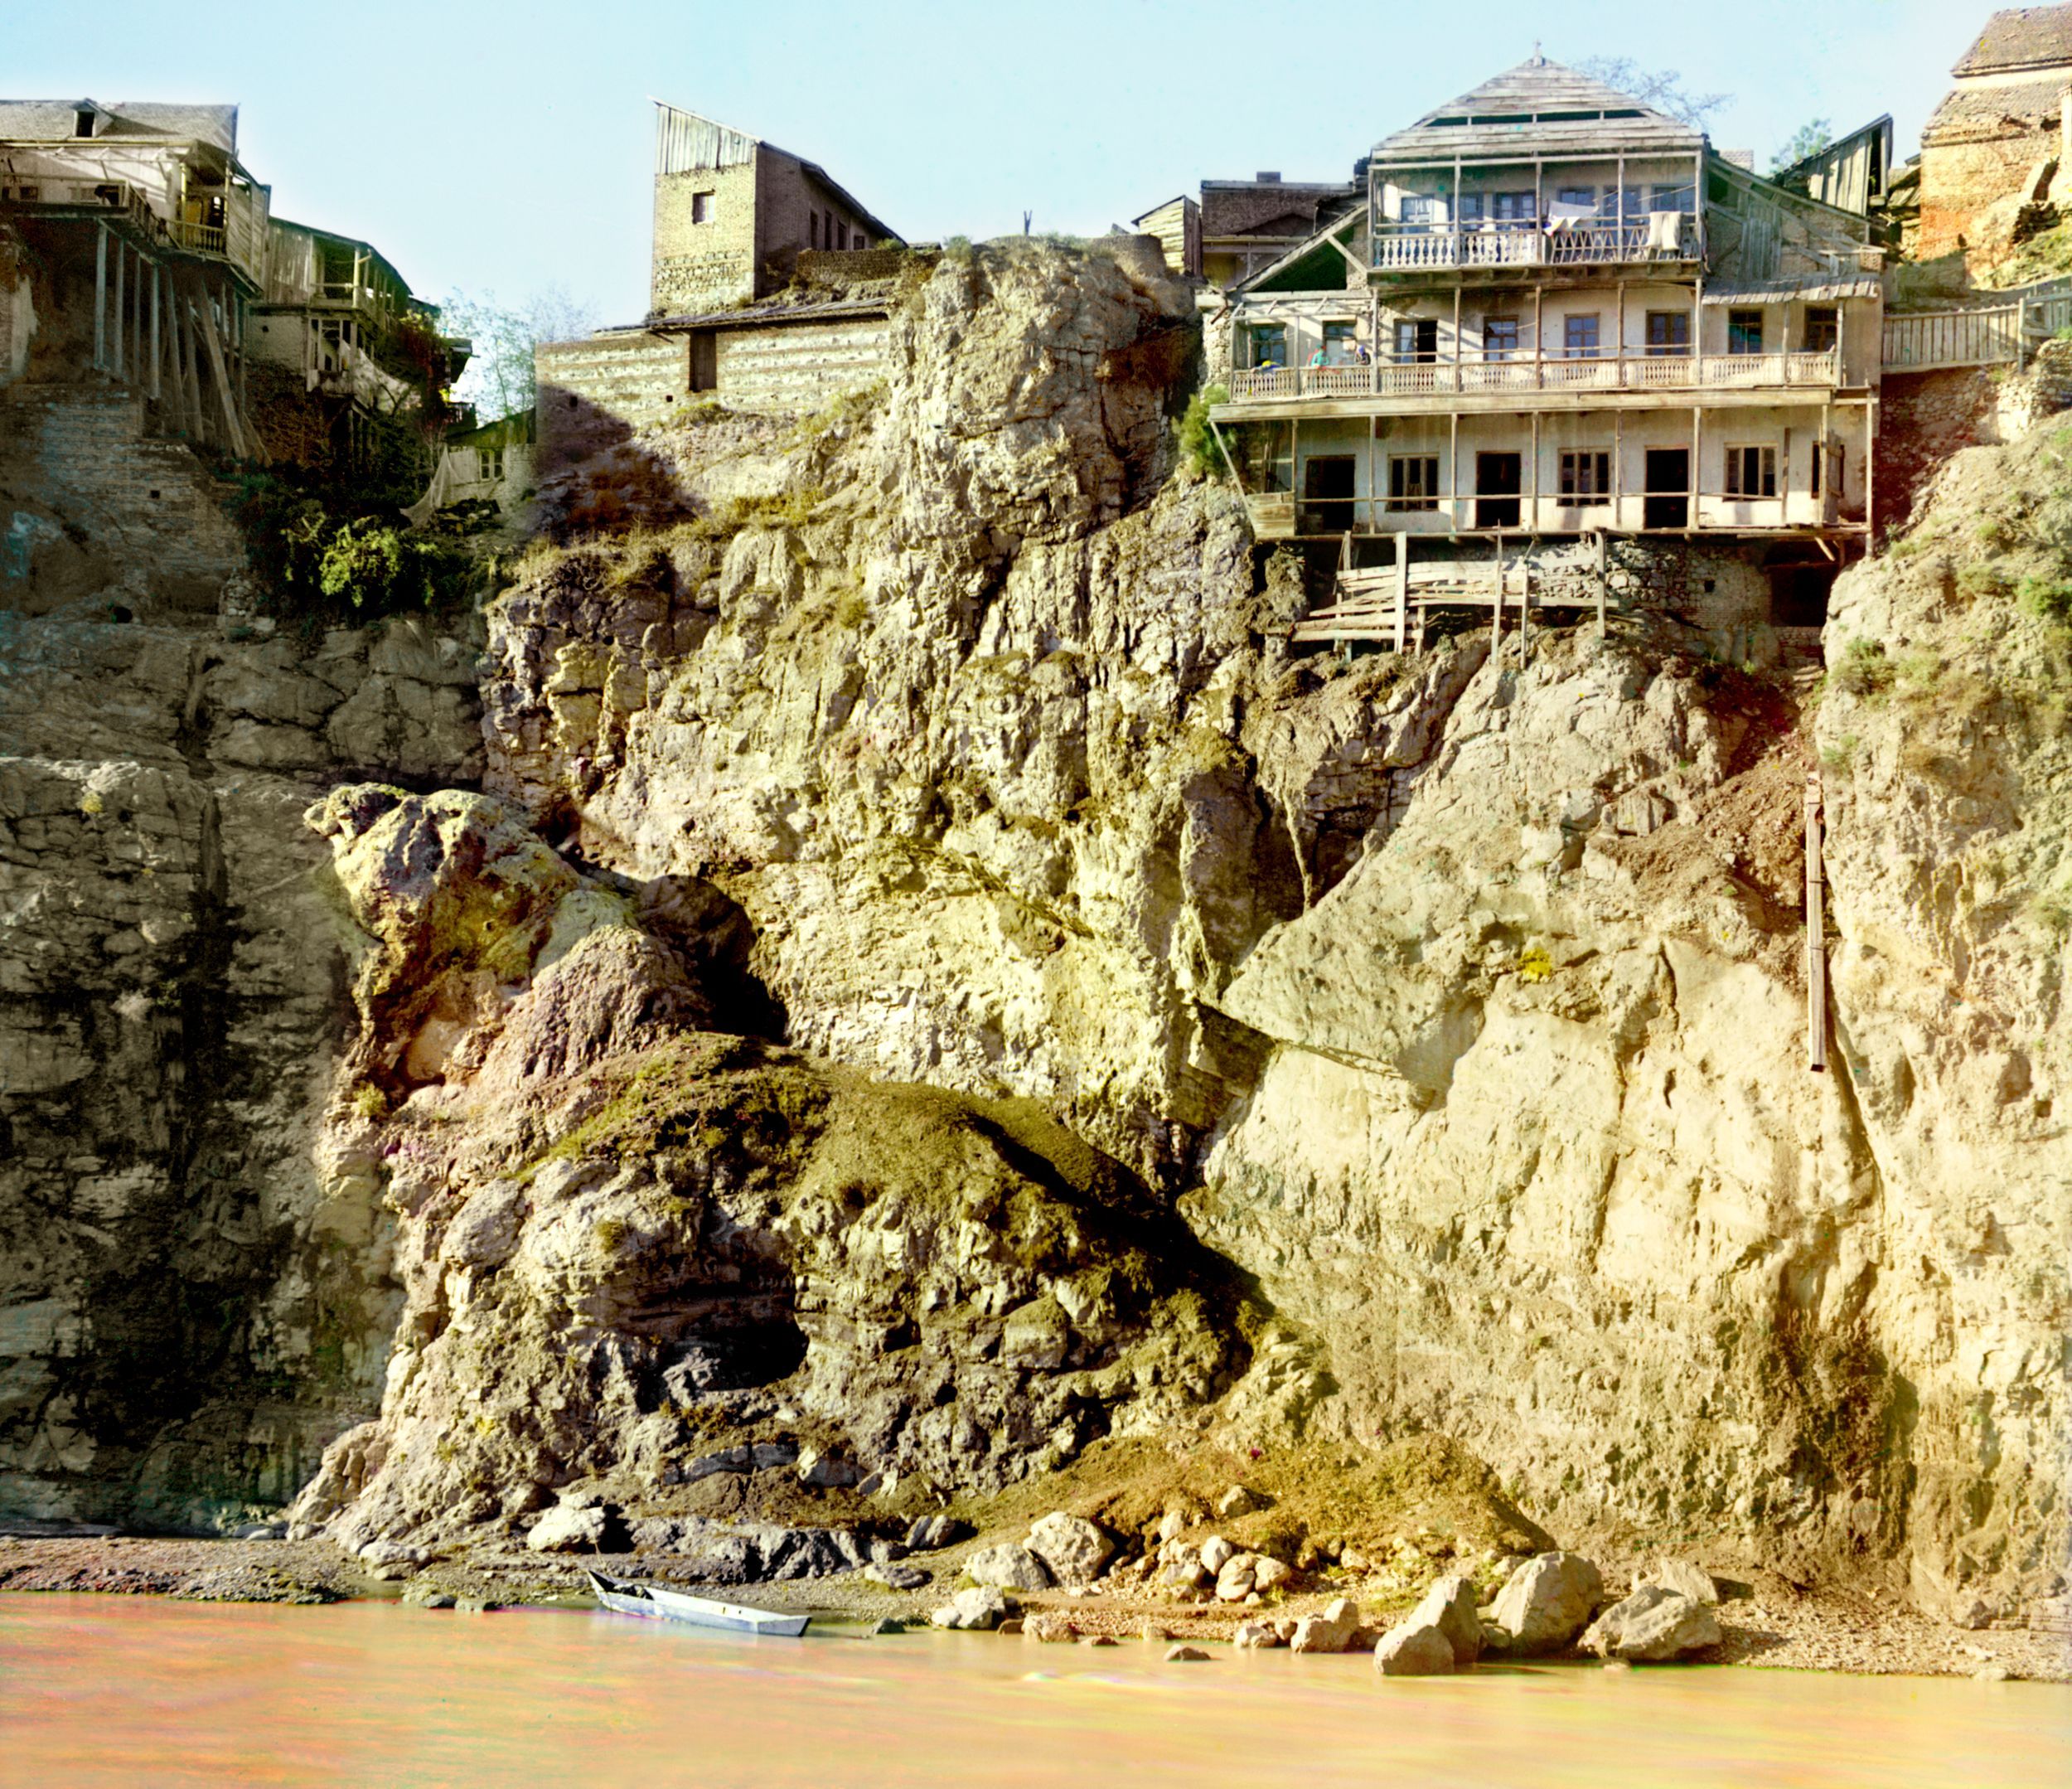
(506, 149)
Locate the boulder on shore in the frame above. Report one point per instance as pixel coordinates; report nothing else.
(1071, 1549)
(1654, 1623)
(1008, 1567)
(1256, 1636)
(979, 1610)
(1548, 1602)
(562, 1529)
(1413, 1648)
(1331, 1631)
(1450, 1605)
(1685, 1579)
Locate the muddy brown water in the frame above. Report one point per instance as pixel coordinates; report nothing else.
(106, 1689)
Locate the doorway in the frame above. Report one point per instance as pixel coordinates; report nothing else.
(1667, 487)
(1499, 479)
(1327, 493)
(1798, 594)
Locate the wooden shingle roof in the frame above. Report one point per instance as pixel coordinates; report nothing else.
(2021, 37)
(53, 120)
(1538, 106)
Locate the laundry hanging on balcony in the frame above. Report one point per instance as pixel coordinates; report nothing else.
(1562, 216)
(1665, 230)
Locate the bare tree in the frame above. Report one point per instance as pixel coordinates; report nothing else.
(1662, 88)
(498, 378)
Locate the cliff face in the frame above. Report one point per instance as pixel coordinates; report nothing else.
(921, 795)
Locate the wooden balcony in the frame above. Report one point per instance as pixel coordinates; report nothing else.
(1502, 384)
(1525, 243)
(1277, 516)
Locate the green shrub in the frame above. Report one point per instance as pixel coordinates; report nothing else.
(1978, 579)
(1865, 671)
(2050, 598)
(1198, 444)
(324, 561)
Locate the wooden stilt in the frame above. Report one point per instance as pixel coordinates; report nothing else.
(1525, 607)
(1816, 939)
(220, 371)
(1496, 611)
(121, 331)
(1601, 580)
(100, 297)
(1402, 588)
(155, 389)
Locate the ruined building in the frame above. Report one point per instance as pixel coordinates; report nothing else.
(1999, 138)
(1559, 313)
(767, 292)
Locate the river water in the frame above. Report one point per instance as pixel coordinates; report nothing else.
(106, 1690)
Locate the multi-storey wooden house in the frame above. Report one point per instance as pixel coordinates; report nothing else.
(1560, 313)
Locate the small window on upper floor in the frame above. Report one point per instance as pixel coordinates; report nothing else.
(812, 229)
(842, 235)
(1499, 337)
(1671, 196)
(83, 122)
(1579, 335)
(1822, 328)
(1575, 196)
(701, 207)
(1743, 332)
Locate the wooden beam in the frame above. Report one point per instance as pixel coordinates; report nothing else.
(1402, 588)
(1496, 608)
(100, 297)
(157, 389)
(1453, 474)
(1602, 578)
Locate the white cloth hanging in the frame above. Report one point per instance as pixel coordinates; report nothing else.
(1665, 230)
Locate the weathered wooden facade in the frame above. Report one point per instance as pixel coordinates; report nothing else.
(150, 236)
(1559, 313)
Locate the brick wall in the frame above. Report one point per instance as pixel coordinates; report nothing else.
(704, 267)
(789, 200)
(597, 391)
(801, 367)
(150, 507)
(1960, 180)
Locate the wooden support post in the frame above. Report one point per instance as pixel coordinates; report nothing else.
(1525, 605)
(1618, 468)
(1602, 578)
(1402, 588)
(1697, 482)
(100, 297)
(1496, 612)
(1532, 484)
(1453, 472)
(1816, 938)
(157, 389)
(1869, 471)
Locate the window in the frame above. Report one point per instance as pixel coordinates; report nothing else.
(1819, 461)
(1668, 332)
(812, 229)
(1424, 208)
(489, 463)
(1671, 197)
(1512, 208)
(1471, 206)
(1339, 344)
(1576, 194)
(1413, 480)
(1743, 332)
(1499, 337)
(1751, 472)
(1823, 329)
(842, 232)
(1587, 479)
(1579, 336)
(1416, 340)
(701, 207)
(1608, 204)
(83, 122)
(1269, 344)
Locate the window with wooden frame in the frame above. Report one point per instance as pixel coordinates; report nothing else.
(1823, 328)
(1579, 335)
(1413, 480)
(1821, 451)
(1672, 196)
(812, 229)
(1471, 206)
(1587, 478)
(1269, 343)
(1499, 337)
(1743, 332)
(1751, 472)
(1416, 340)
(1514, 208)
(1668, 332)
(1575, 196)
(489, 463)
(701, 207)
(1340, 341)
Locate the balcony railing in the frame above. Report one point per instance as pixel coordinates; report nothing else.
(1660, 372)
(205, 239)
(1415, 248)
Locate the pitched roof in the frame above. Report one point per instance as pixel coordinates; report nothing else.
(2034, 36)
(1556, 108)
(685, 140)
(49, 120)
(1973, 112)
(1269, 208)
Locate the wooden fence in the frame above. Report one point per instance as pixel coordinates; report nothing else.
(1991, 336)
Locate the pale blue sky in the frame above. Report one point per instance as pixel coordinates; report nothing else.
(505, 148)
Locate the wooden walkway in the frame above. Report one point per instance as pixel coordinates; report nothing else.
(1393, 604)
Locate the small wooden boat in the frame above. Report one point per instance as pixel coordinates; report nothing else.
(626, 1597)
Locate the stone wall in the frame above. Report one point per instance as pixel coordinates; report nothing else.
(595, 392)
(799, 367)
(704, 266)
(118, 499)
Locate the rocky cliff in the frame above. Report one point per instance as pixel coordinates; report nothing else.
(930, 979)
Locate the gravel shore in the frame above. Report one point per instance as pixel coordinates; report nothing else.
(1781, 1626)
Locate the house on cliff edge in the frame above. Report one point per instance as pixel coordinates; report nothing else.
(768, 292)
(1559, 316)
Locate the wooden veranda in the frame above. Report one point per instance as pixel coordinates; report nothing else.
(1393, 604)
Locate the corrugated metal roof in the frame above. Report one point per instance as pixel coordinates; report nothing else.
(2036, 36)
(50, 120)
(1537, 104)
(1822, 291)
(2022, 105)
